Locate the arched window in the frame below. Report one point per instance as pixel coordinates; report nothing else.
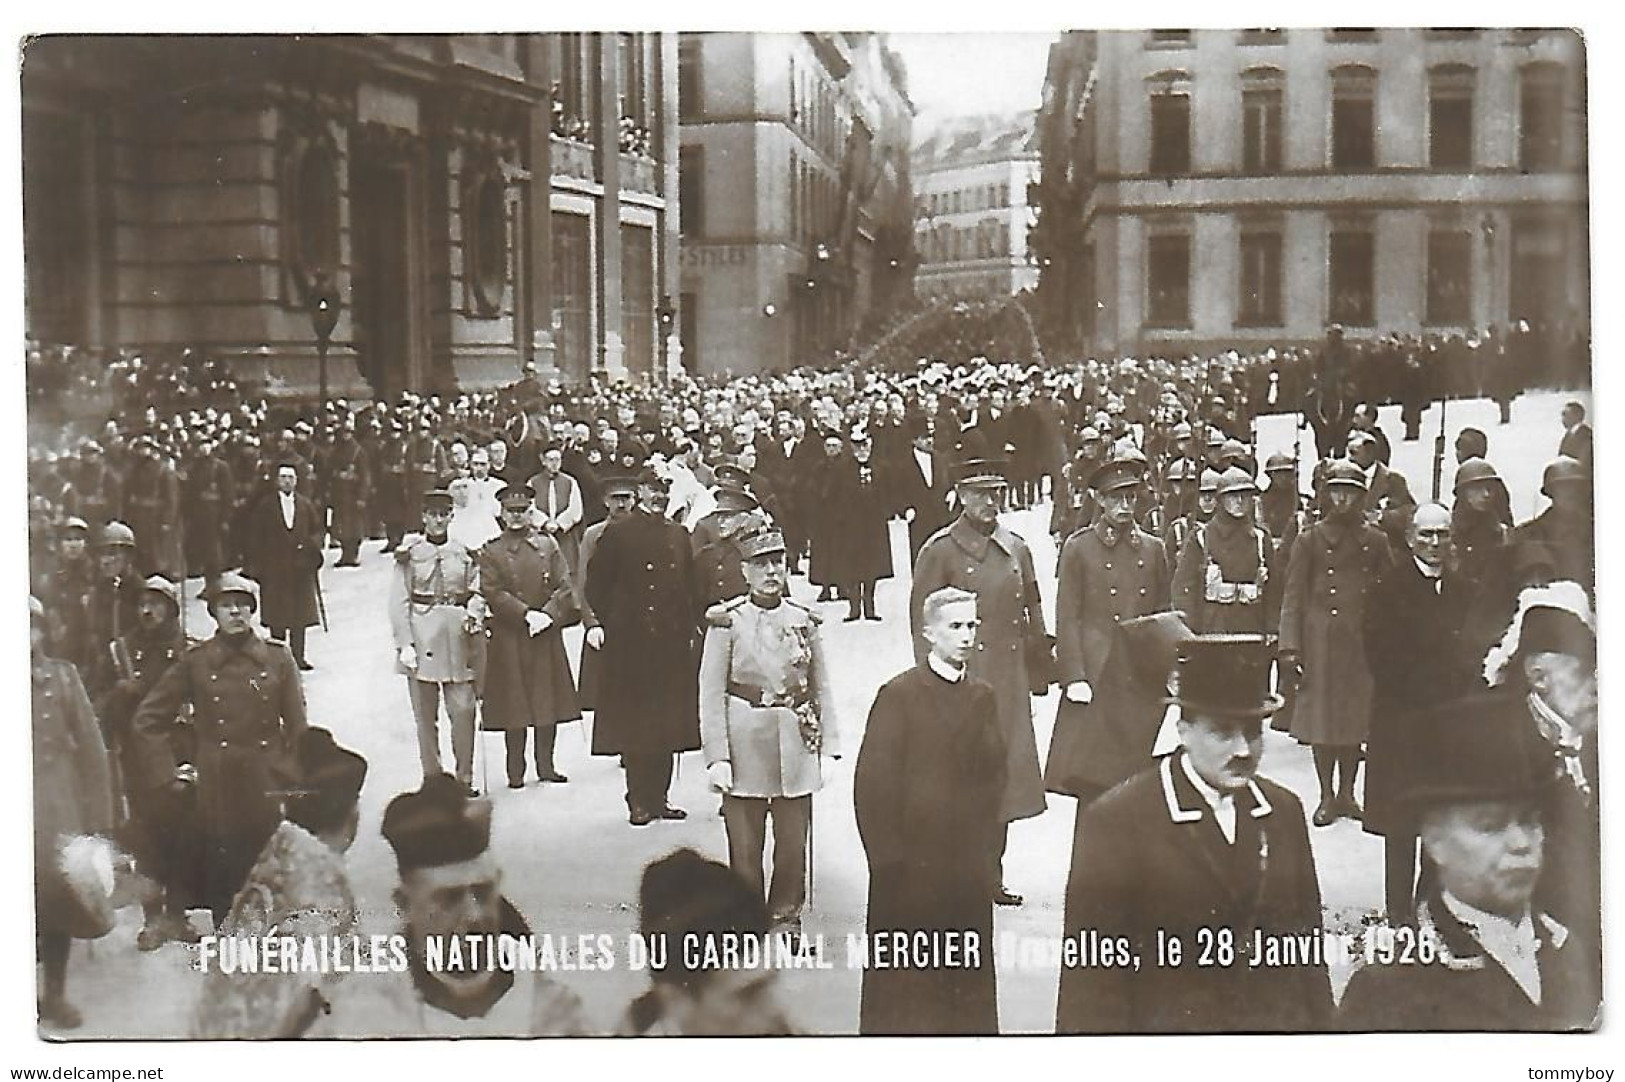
(1263, 97)
(1170, 104)
(1450, 116)
(310, 208)
(1354, 125)
(485, 236)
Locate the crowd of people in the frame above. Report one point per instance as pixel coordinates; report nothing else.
(667, 521)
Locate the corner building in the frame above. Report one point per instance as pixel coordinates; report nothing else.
(476, 202)
(797, 231)
(1254, 186)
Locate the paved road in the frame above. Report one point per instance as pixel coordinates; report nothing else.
(572, 862)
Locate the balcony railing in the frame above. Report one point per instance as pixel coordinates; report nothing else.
(573, 158)
(638, 174)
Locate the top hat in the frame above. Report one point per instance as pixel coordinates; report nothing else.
(1226, 676)
(1482, 746)
(437, 824)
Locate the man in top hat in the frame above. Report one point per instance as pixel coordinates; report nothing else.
(1331, 570)
(644, 590)
(559, 506)
(1562, 535)
(283, 553)
(528, 587)
(928, 794)
(767, 722)
(1198, 848)
(1107, 574)
(981, 556)
(162, 833)
(1221, 580)
(247, 708)
(451, 889)
(437, 617)
(1481, 792)
(685, 898)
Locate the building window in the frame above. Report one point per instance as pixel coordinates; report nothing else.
(1169, 39)
(690, 78)
(485, 238)
(1263, 37)
(691, 190)
(1450, 279)
(1260, 280)
(1351, 36)
(638, 297)
(1170, 126)
(572, 292)
(1261, 117)
(1452, 35)
(1168, 281)
(1353, 278)
(630, 86)
(58, 234)
(1354, 129)
(1540, 117)
(573, 95)
(1450, 117)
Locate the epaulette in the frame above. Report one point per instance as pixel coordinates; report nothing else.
(721, 614)
(817, 617)
(403, 551)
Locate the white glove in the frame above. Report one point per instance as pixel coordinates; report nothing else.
(409, 657)
(537, 622)
(908, 514)
(721, 777)
(595, 637)
(1080, 692)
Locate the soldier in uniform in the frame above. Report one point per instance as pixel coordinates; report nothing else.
(1332, 568)
(161, 833)
(767, 724)
(211, 495)
(1221, 578)
(63, 584)
(528, 586)
(95, 490)
(247, 706)
(979, 555)
(1198, 842)
(391, 506)
(1107, 573)
(114, 599)
(437, 616)
(1561, 536)
(1281, 507)
(1388, 499)
(348, 484)
(450, 888)
(152, 506)
(715, 539)
(644, 591)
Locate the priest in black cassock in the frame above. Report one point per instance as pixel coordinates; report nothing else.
(927, 790)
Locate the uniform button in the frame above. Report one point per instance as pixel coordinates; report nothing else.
(1108, 565)
(1334, 589)
(1116, 618)
(1113, 591)
(649, 567)
(1142, 591)
(1139, 563)
(223, 743)
(1334, 612)
(981, 646)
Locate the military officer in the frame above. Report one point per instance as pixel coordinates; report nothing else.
(977, 554)
(248, 706)
(1332, 567)
(1107, 573)
(1220, 580)
(211, 501)
(348, 483)
(767, 723)
(437, 616)
(716, 552)
(527, 583)
(111, 607)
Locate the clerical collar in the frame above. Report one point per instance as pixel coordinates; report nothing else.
(944, 669)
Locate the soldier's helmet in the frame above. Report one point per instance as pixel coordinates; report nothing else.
(1473, 471)
(1236, 479)
(1279, 462)
(1209, 481)
(232, 583)
(1341, 472)
(1180, 469)
(117, 535)
(1562, 471)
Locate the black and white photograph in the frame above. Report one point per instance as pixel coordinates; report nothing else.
(811, 533)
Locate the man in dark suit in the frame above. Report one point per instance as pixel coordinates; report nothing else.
(1414, 622)
(1480, 793)
(1388, 499)
(284, 554)
(1197, 849)
(922, 488)
(1576, 443)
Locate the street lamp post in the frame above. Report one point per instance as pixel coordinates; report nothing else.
(666, 318)
(324, 316)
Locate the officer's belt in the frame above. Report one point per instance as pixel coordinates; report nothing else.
(441, 599)
(761, 698)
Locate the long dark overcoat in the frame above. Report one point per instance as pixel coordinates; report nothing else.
(643, 589)
(284, 562)
(72, 784)
(527, 677)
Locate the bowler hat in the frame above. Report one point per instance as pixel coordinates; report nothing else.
(1225, 676)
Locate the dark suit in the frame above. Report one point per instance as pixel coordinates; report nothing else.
(929, 501)
(1149, 857)
(1467, 989)
(284, 561)
(1576, 444)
